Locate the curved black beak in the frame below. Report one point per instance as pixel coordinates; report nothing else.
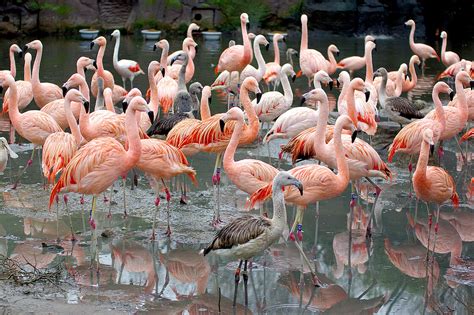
(300, 187)
(196, 49)
(95, 64)
(1, 89)
(247, 26)
(451, 95)
(20, 54)
(471, 84)
(25, 48)
(209, 100)
(86, 106)
(293, 78)
(221, 125)
(259, 97)
(154, 47)
(173, 60)
(284, 39)
(163, 72)
(303, 100)
(367, 96)
(331, 84)
(419, 66)
(64, 90)
(432, 147)
(267, 47)
(354, 136)
(406, 77)
(92, 45)
(338, 84)
(375, 41)
(337, 53)
(151, 115)
(85, 70)
(124, 106)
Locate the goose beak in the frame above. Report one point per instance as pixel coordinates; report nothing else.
(64, 91)
(86, 106)
(259, 97)
(331, 84)
(151, 115)
(471, 84)
(354, 136)
(221, 125)
(367, 96)
(92, 45)
(303, 100)
(451, 95)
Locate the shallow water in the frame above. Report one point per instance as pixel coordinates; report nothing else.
(169, 276)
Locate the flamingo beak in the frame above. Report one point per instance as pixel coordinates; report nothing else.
(92, 45)
(284, 39)
(196, 48)
(94, 63)
(221, 125)
(124, 106)
(303, 100)
(471, 84)
(64, 90)
(367, 96)
(20, 54)
(151, 115)
(293, 78)
(338, 84)
(299, 185)
(209, 100)
(1, 89)
(247, 26)
(163, 72)
(267, 46)
(354, 136)
(432, 147)
(375, 41)
(25, 48)
(154, 47)
(259, 97)
(331, 84)
(451, 95)
(86, 106)
(337, 53)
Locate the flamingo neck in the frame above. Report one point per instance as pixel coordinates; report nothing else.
(80, 70)
(383, 90)
(304, 36)
(320, 143)
(100, 57)
(164, 55)
(134, 143)
(279, 209)
(12, 63)
(27, 70)
(317, 83)
(36, 66)
(414, 78)
(189, 65)
(229, 153)
(247, 47)
(439, 109)
(287, 91)
(277, 52)
(369, 69)
(422, 160)
(182, 75)
(345, 89)
(248, 107)
(116, 50)
(204, 108)
(84, 89)
(13, 111)
(153, 93)
(461, 104)
(76, 133)
(411, 39)
(443, 47)
(109, 103)
(332, 60)
(343, 169)
(351, 109)
(260, 60)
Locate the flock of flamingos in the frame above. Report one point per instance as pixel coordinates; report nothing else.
(104, 145)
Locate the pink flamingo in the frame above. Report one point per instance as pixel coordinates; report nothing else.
(248, 175)
(33, 125)
(462, 222)
(395, 81)
(447, 57)
(173, 69)
(410, 83)
(469, 95)
(43, 93)
(331, 63)
(127, 69)
(237, 57)
(273, 69)
(409, 139)
(209, 137)
(468, 135)
(422, 50)
(83, 64)
(455, 114)
(249, 70)
(162, 161)
(101, 72)
(100, 162)
(453, 69)
(192, 49)
(14, 48)
(355, 63)
(167, 87)
(319, 181)
(60, 147)
(310, 59)
(432, 183)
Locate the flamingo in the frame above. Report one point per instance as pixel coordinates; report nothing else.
(455, 115)
(469, 95)
(468, 135)
(33, 125)
(60, 147)
(410, 83)
(208, 135)
(250, 70)
(331, 63)
(355, 63)
(321, 183)
(237, 57)
(297, 119)
(14, 48)
(83, 64)
(310, 59)
(453, 69)
(447, 57)
(192, 49)
(127, 69)
(25, 93)
(248, 235)
(167, 88)
(273, 69)
(409, 139)
(5, 151)
(101, 72)
(273, 103)
(43, 93)
(422, 50)
(395, 79)
(174, 68)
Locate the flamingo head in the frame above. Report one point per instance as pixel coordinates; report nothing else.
(428, 138)
(283, 179)
(130, 95)
(277, 37)
(443, 34)
(381, 72)
(304, 19)
(195, 88)
(86, 63)
(100, 41)
(369, 46)
(74, 95)
(153, 68)
(315, 95)
(17, 49)
(410, 23)
(235, 113)
(442, 87)
(244, 18)
(183, 56)
(251, 36)
(262, 40)
(415, 60)
(115, 34)
(74, 80)
(161, 44)
(291, 52)
(250, 84)
(188, 43)
(138, 104)
(287, 70)
(333, 48)
(193, 27)
(36, 44)
(343, 78)
(6, 80)
(464, 78)
(207, 93)
(322, 77)
(369, 38)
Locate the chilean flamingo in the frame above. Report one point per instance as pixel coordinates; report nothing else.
(331, 63)
(174, 68)
(273, 103)
(410, 82)
(14, 48)
(248, 235)
(5, 151)
(453, 69)
(432, 183)
(469, 94)
(422, 50)
(208, 136)
(237, 57)
(83, 64)
(310, 59)
(321, 183)
(468, 135)
(355, 63)
(60, 147)
(127, 69)
(447, 57)
(101, 72)
(43, 93)
(192, 49)
(33, 125)
(250, 70)
(273, 69)
(395, 79)
(167, 88)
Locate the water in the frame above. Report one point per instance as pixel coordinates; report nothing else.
(169, 276)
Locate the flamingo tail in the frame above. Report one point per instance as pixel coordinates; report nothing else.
(260, 195)
(455, 199)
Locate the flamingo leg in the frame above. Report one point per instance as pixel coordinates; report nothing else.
(464, 157)
(12, 134)
(168, 198)
(237, 280)
(92, 222)
(246, 279)
(123, 83)
(410, 169)
(65, 198)
(28, 164)
(316, 280)
(131, 82)
(430, 222)
(216, 180)
(349, 254)
(157, 204)
(376, 195)
(298, 220)
(435, 231)
(124, 185)
(316, 228)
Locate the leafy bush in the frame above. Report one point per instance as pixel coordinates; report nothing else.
(231, 11)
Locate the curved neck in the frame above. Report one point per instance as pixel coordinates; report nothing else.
(232, 146)
(423, 159)
(100, 56)
(248, 107)
(153, 93)
(304, 36)
(116, 50)
(134, 143)
(109, 103)
(246, 40)
(331, 58)
(461, 95)
(369, 70)
(443, 46)
(279, 208)
(164, 55)
(350, 99)
(286, 88)
(343, 169)
(383, 90)
(259, 57)
(204, 108)
(439, 108)
(399, 82)
(27, 70)
(414, 78)
(319, 142)
(345, 89)
(80, 70)
(13, 110)
(12, 63)
(412, 36)
(36, 66)
(317, 83)
(182, 76)
(277, 52)
(72, 121)
(84, 89)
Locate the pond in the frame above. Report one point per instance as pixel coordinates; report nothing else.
(168, 276)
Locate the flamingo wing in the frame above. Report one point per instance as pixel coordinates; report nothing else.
(231, 59)
(58, 150)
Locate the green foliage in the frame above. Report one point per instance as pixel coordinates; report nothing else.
(231, 11)
(60, 9)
